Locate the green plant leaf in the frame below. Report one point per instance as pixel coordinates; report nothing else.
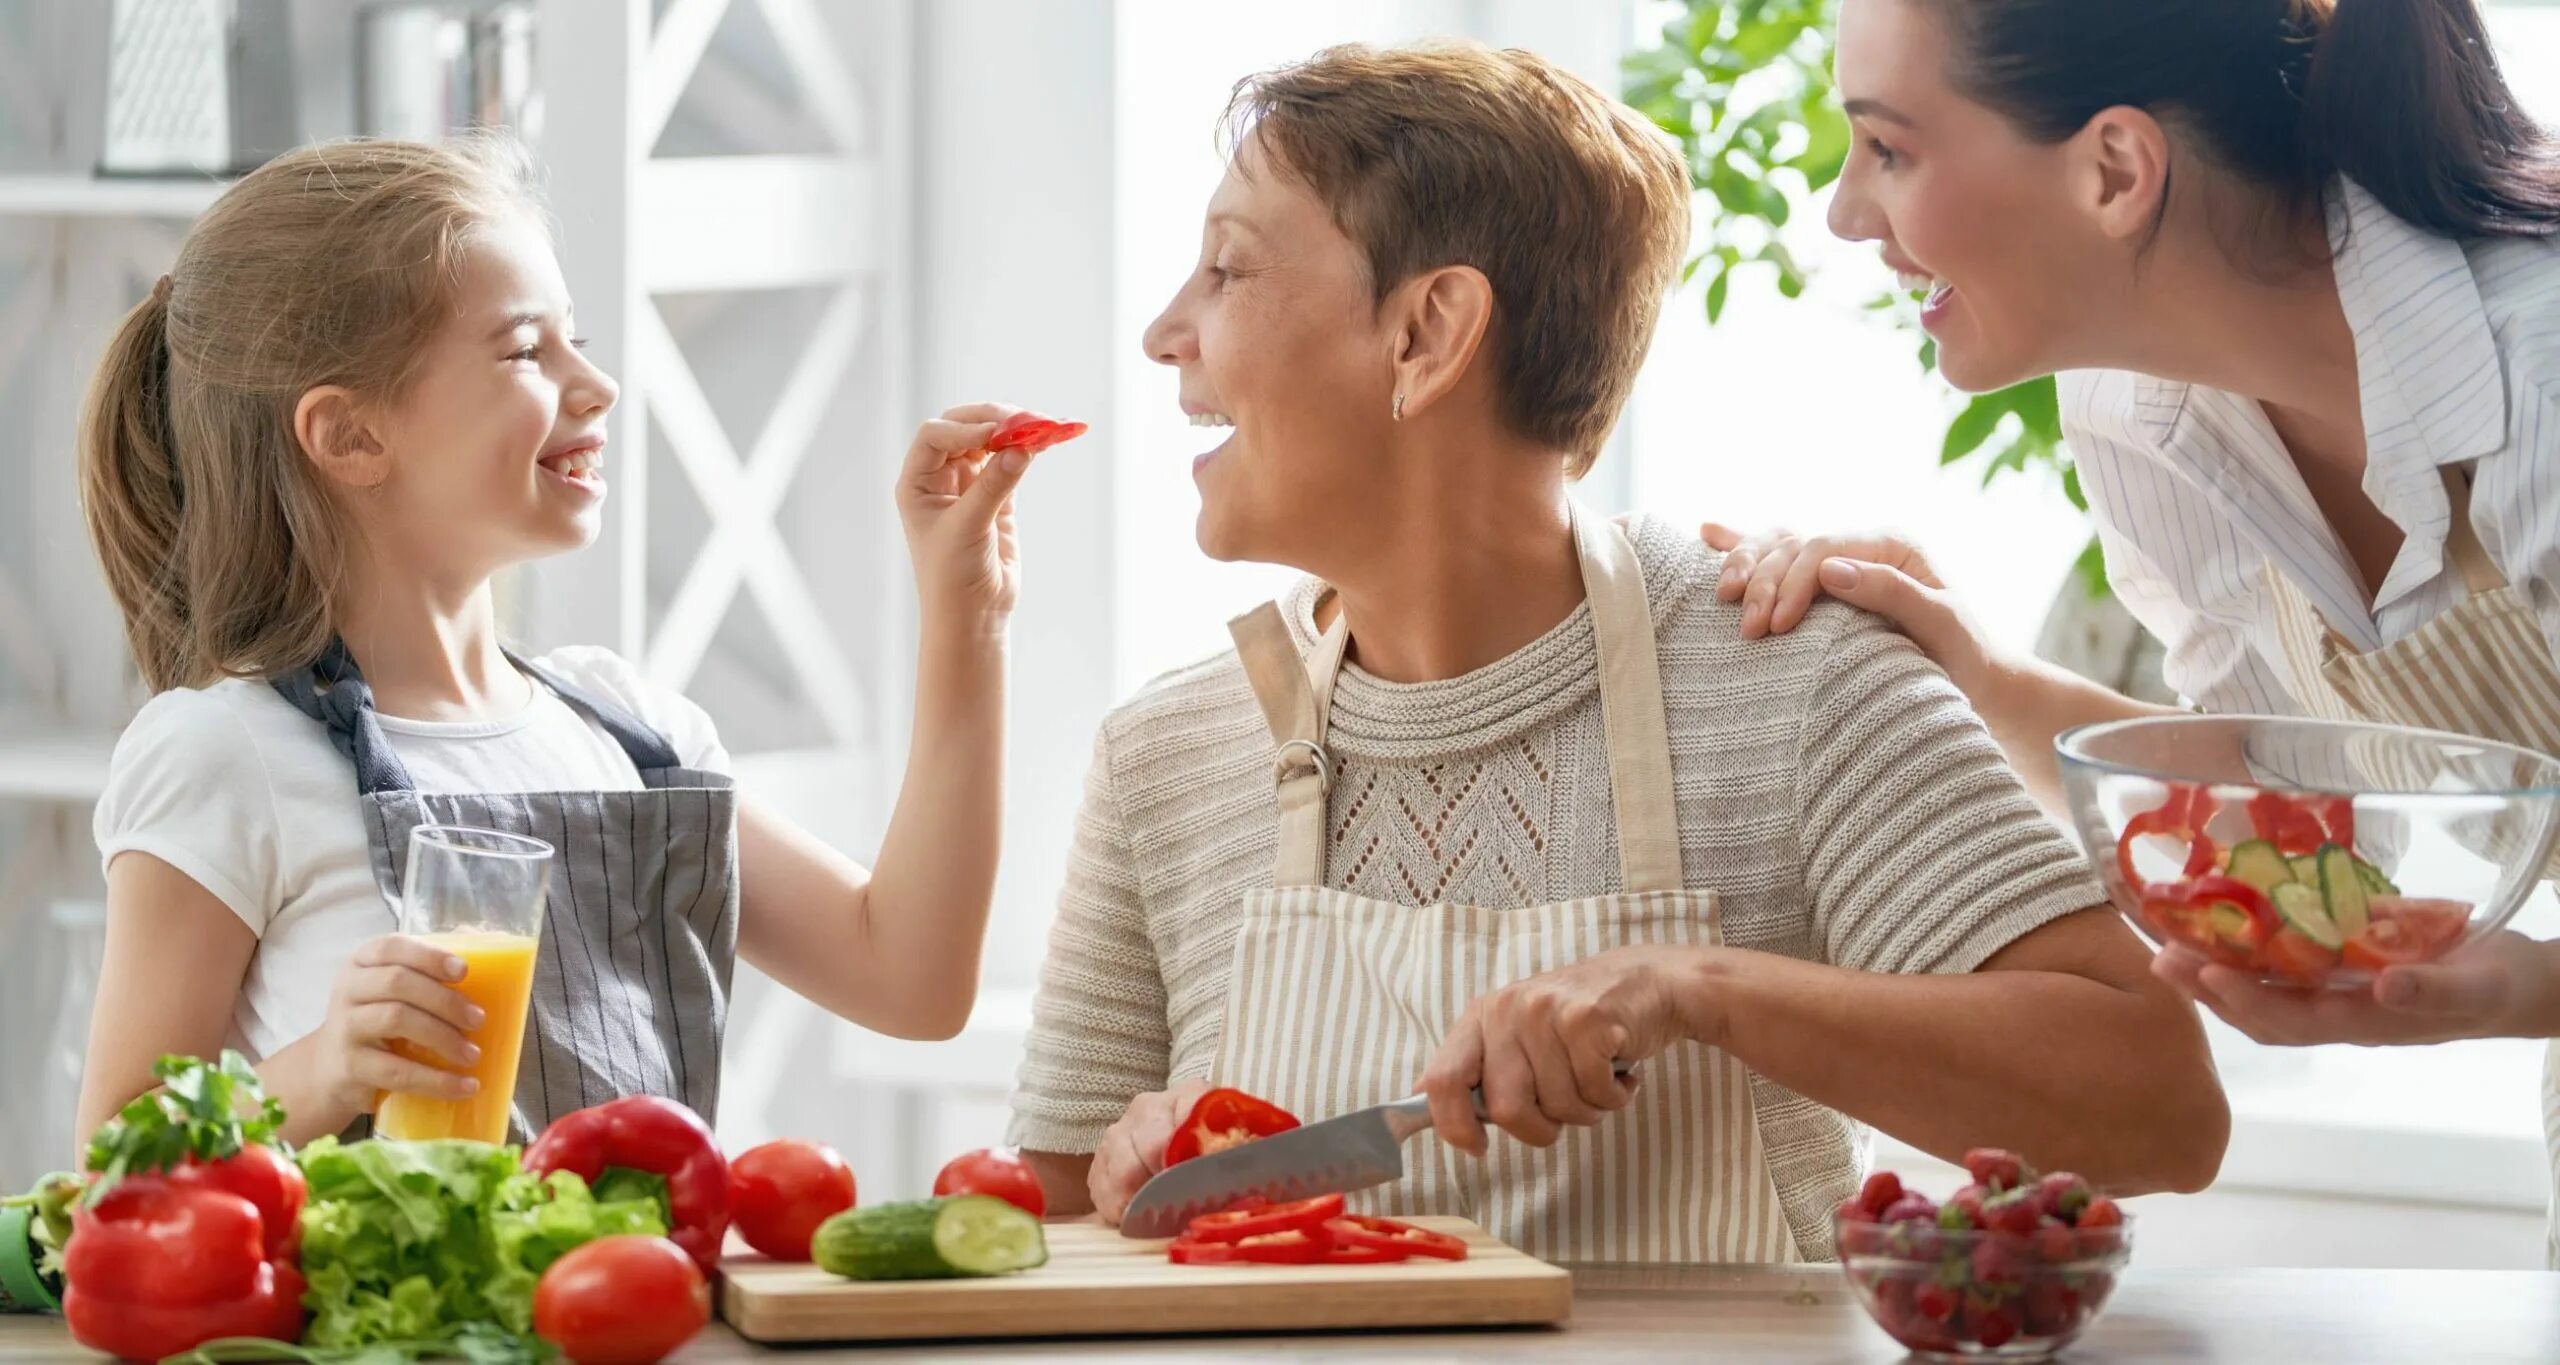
(1826, 148)
(2038, 403)
(2071, 486)
(1972, 427)
(2091, 568)
(1717, 291)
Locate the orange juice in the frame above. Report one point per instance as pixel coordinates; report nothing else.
(497, 975)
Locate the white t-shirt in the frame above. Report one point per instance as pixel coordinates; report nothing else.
(240, 790)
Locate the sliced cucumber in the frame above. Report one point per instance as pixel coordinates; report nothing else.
(2230, 923)
(2302, 907)
(2306, 868)
(2259, 864)
(930, 1239)
(2374, 882)
(2343, 888)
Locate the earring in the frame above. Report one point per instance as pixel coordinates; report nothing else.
(1399, 410)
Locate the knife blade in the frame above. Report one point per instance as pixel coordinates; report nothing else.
(1351, 1152)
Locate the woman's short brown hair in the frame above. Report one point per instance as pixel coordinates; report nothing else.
(1574, 206)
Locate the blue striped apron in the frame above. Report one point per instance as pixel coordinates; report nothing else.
(640, 933)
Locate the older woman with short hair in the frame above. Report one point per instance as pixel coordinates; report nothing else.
(1498, 798)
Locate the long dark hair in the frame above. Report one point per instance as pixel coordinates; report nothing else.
(2402, 96)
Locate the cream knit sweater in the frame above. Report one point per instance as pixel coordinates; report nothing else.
(1832, 786)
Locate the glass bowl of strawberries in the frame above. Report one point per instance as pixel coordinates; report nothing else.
(2310, 853)
(2011, 1267)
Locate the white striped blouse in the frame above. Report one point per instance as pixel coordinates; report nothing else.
(2458, 351)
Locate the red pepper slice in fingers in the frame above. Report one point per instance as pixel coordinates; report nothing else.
(1031, 433)
(1387, 1234)
(1237, 1225)
(1222, 1119)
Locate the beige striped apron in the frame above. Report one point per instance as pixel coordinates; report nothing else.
(1338, 1001)
(2482, 668)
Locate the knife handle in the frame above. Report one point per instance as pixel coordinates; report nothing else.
(1408, 1117)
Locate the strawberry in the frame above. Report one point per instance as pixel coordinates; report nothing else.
(2054, 1241)
(2064, 1195)
(1972, 1198)
(1957, 1216)
(2052, 1308)
(2102, 1212)
(1851, 1212)
(1995, 1168)
(1879, 1193)
(1934, 1302)
(1996, 1328)
(2013, 1213)
(1999, 1261)
(1910, 1208)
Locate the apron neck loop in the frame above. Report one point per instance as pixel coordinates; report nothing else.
(333, 692)
(1296, 696)
(1631, 707)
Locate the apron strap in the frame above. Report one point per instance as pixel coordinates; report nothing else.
(1296, 696)
(2461, 543)
(648, 750)
(332, 692)
(1631, 707)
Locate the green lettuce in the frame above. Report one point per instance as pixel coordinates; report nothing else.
(409, 1241)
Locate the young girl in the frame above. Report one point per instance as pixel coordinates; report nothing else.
(357, 397)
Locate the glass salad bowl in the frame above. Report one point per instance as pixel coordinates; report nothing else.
(2310, 853)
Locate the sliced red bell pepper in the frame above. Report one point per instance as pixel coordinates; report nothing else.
(1387, 1234)
(653, 1136)
(1236, 1225)
(1222, 1119)
(156, 1267)
(1295, 1247)
(2186, 910)
(2297, 825)
(2184, 816)
(1031, 433)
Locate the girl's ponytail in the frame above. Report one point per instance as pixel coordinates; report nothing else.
(131, 491)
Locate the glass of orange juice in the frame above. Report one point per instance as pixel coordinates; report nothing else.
(477, 894)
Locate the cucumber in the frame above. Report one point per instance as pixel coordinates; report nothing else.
(2344, 890)
(2374, 882)
(2259, 864)
(2302, 907)
(930, 1239)
(2306, 868)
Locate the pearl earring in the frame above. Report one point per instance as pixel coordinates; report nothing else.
(1399, 412)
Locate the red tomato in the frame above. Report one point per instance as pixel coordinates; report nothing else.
(2404, 930)
(2296, 958)
(780, 1192)
(621, 1301)
(999, 1171)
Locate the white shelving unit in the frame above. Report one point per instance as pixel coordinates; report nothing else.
(81, 196)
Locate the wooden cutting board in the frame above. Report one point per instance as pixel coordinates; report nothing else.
(1098, 1283)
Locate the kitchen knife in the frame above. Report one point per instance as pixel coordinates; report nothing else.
(1351, 1152)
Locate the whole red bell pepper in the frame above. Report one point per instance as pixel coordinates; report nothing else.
(1222, 1119)
(265, 1177)
(654, 1137)
(157, 1266)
